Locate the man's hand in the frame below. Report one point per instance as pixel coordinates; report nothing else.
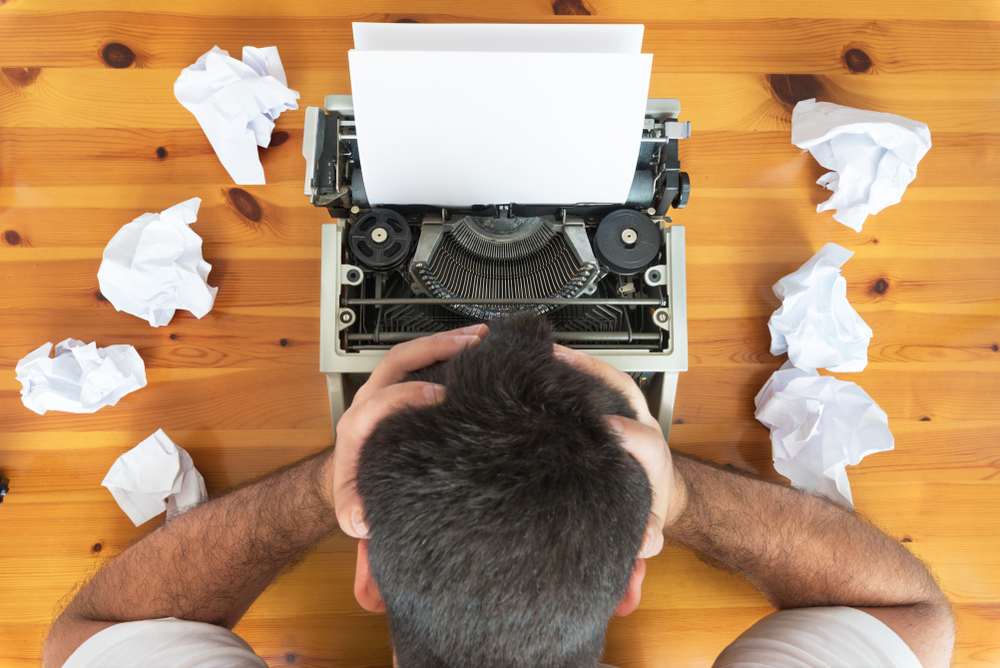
(799, 550)
(643, 439)
(381, 395)
(211, 563)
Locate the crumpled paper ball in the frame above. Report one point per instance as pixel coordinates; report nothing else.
(153, 266)
(236, 104)
(816, 325)
(873, 156)
(81, 378)
(154, 476)
(820, 425)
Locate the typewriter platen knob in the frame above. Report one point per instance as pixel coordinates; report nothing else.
(380, 239)
(626, 241)
(683, 191)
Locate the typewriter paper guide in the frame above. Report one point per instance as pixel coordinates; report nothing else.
(459, 129)
(507, 37)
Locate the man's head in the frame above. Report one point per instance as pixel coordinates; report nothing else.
(504, 523)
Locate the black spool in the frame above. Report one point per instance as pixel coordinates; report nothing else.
(380, 239)
(626, 241)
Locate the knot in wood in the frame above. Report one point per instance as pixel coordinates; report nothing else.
(117, 56)
(245, 204)
(22, 77)
(570, 8)
(790, 89)
(857, 61)
(278, 137)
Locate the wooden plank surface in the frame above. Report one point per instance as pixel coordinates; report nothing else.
(91, 137)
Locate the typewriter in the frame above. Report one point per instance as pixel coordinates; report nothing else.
(610, 278)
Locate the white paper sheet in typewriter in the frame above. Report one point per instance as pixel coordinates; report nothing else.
(538, 38)
(453, 128)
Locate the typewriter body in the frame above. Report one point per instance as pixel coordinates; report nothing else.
(610, 277)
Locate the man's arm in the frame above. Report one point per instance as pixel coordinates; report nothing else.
(802, 551)
(799, 550)
(211, 563)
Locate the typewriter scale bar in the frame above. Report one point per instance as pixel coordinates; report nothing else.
(578, 301)
(644, 140)
(586, 337)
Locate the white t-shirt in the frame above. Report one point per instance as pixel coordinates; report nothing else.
(803, 638)
(818, 638)
(164, 643)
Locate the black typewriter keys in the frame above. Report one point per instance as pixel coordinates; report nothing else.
(626, 241)
(380, 239)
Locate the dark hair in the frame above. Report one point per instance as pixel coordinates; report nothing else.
(504, 523)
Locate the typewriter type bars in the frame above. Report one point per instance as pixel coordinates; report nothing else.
(610, 278)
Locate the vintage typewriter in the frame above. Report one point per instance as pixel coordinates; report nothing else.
(611, 278)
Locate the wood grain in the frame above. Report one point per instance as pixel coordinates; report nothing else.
(123, 40)
(91, 137)
(533, 11)
(734, 101)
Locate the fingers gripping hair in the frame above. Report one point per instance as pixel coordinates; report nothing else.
(504, 523)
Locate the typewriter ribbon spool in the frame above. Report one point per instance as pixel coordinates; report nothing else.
(626, 242)
(380, 239)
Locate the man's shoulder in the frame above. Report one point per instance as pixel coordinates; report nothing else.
(832, 636)
(165, 643)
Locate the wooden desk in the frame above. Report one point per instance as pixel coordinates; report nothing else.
(91, 137)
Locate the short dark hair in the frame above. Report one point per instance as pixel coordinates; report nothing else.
(505, 522)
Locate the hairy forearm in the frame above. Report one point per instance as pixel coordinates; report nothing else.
(212, 562)
(799, 550)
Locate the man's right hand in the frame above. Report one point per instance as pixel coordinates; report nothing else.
(380, 396)
(643, 439)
